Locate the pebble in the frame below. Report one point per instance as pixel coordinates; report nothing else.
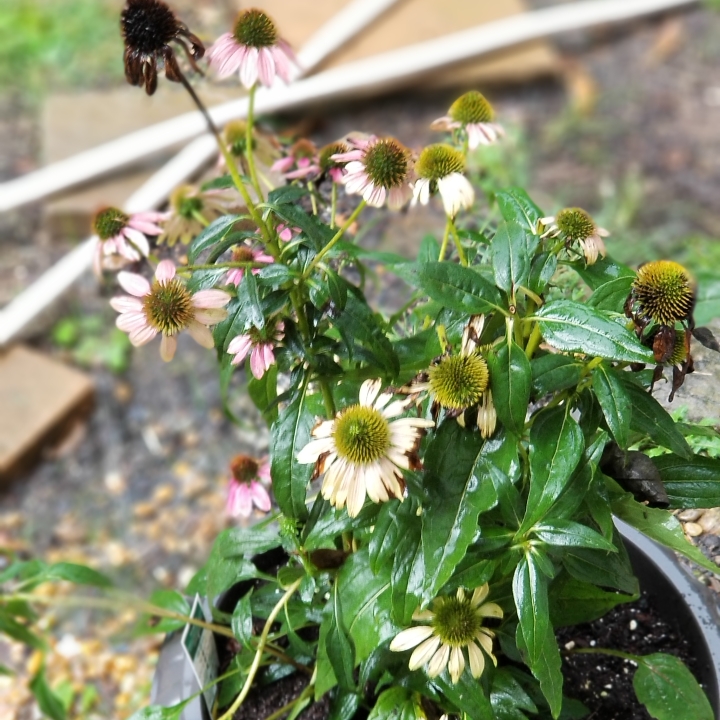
(633, 624)
(710, 521)
(689, 515)
(570, 645)
(693, 529)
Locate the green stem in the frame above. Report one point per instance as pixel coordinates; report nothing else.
(335, 240)
(229, 264)
(333, 207)
(258, 653)
(200, 218)
(327, 398)
(603, 651)
(458, 244)
(249, 142)
(297, 304)
(446, 237)
(313, 197)
(533, 342)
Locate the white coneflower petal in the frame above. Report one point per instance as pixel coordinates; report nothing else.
(410, 638)
(439, 661)
(456, 192)
(477, 660)
(456, 664)
(423, 653)
(479, 595)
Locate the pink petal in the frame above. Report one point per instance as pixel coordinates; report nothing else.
(133, 283)
(268, 355)
(260, 496)
(131, 321)
(142, 336)
(165, 271)
(283, 164)
(168, 346)
(257, 362)
(266, 67)
(285, 233)
(242, 501)
(145, 227)
(235, 276)
(125, 304)
(249, 68)
(264, 471)
(210, 299)
(240, 345)
(231, 61)
(210, 316)
(282, 63)
(138, 240)
(201, 335)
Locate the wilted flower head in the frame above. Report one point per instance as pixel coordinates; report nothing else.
(301, 162)
(191, 209)
(167, 307)
(253, 49)
(379, 170)
(331, 167)
(245, 488)
(148, 28)
(264, 147)
(260, 345)
(245, 253)
(663, 291)
(576, 226)
(454, 624)
(474, 114)
(440, 169)
(362, 452)
(123, 236)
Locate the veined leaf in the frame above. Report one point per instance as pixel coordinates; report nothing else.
(612, 295)
(614, 401)
(510, 256)
(516, 206)
(690, 483)
(531, 603)
(510, 380)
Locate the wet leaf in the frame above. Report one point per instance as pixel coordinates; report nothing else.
(567, 533)
(614, 401)
(531, 603)
(690, 483)
(510, 256)
(338, 645)
(510, 380)
(551, 373)
(612, 295)
(573, 601)
(516, 206)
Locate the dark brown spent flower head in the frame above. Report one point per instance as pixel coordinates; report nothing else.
(663, 292)
(386, 163)
(575, 224)
(255, 29)
(169, 307)
(303, 148)
(244, 468)
(472, 108)
(326, 153)
(242, 253)
(109, 222)
(148, 27)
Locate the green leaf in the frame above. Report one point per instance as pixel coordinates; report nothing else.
(457, 492)
(247, 295)
(50, 704)
(357, 323)
(392, 523)
(398, 703)
(707, 302)
(170, 600)
(78, 574)
(603, 271)
(18, 631)
(156, 712)
(288, 436)
(669, 690)
(574, 327)
(515, 205)
(542, 270)
(573, 601)
(605, 569)
(507, 695)
(242, 620)
(344, 705)
(551, 373)
(286, 195)
(612, 295)
(263, 392)
(556, 447)
(337, 288)
(338, 644)
(548, 671)
(453, 286)
(314, 229)
(407, 576)
(510, 380)
(531, 602)
(567, 533)
(510, 256)
(614, 401)
(649, 417)
(693, 483)
(213, 233)
(660, 525)
(467, 695)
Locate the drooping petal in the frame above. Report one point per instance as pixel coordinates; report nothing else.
(249, 67)
(260, 496)
(201, 335)
(456, 664)
(211, 316)
(257, 363)
(240, 346)
(133, 283)
(138, 240)
(168, 346)
(410, 638)
(439, 661)
(266, 67)
(477, 660)
(479, 594)
(142, 336)
(424, 652)
(126, 304)
(210, 299)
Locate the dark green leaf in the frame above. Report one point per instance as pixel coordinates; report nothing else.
(516, 206)
(556, 446)
(552, 373)
(242, 621)
(669, 690)
(649, 417)
(707, 302)
(453, 286)
(603, 271)
(263, 392)
(457, 492)
(213, 233)
(398, 703)
(574, 327)
(510, 256)
(660, 525)
(531, 604)
(344, 705)
(314, 229)
(467, 695)
(332, 523)
(542, 270)
(614, 401)
(548, 670)
(50, 704)
(612, 295)
(472, 572)
(693, 483)
(338, 644)
(17, 631)
(289, 194)
(392, 523)
(573, 601)
(407, 576)
(274, 275)
(289, 434)
(510, 380)
(429, 249)
(567, 533)
(507, 695)
(78, 574)
(249, 300)
(337, 289)
(206, 279)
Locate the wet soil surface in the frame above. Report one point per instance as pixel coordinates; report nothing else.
(604, 683)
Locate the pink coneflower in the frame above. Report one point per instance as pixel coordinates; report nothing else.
(473, 113)
(260, 345)
(244, 253)
(245, 488)
(253, 49)
(167, 307)
(378, 169)
(329, 166)
(300, 163)
(122, 236)
(286, 233)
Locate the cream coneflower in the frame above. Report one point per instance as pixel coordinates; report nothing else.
(362, 452)
(254, 50)
(454, 624)
(122, 235)
(245, 253)
(487, 415)
(440, 169)
(663, 292)
(167, 307)
(576, 226)
(192, 210)
(378, 169)
(473, 113)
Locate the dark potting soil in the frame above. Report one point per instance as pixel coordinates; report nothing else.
(604, 683)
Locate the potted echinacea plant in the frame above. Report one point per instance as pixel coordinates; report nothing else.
(445, 476)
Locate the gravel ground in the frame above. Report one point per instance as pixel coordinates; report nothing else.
(139, 489)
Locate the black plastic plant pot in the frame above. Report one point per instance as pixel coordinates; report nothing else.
(681, 598)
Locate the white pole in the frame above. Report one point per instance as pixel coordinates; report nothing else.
(370, 74)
